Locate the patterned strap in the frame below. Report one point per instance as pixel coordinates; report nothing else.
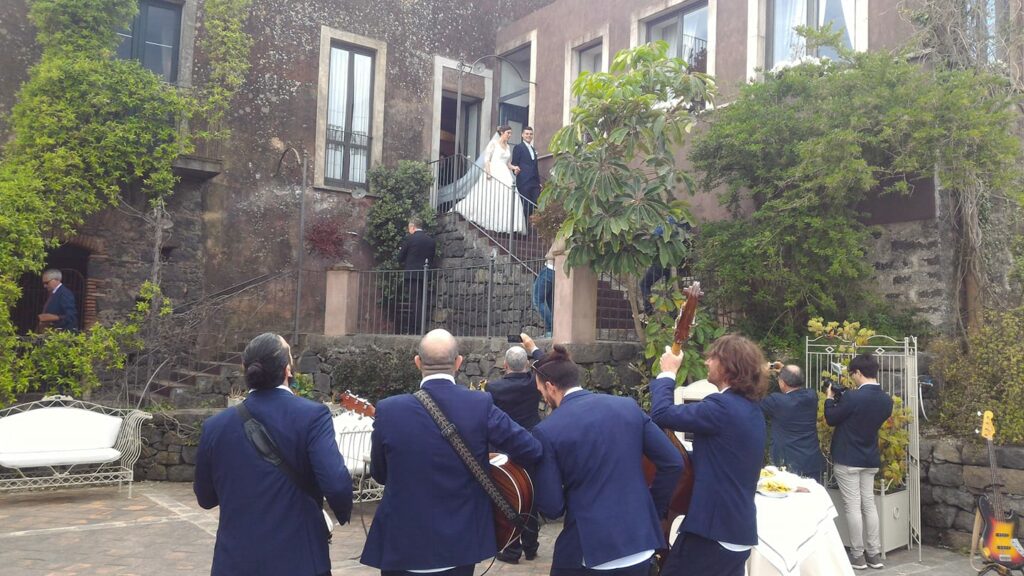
(451, 434)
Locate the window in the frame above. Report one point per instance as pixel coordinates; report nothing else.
(349, 110)
(785, 45)
(589, 59)
(154, 38)
(686, 32)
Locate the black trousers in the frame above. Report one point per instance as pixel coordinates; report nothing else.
(641, 569)
(527, 541)
(466, 570)
(694, 555)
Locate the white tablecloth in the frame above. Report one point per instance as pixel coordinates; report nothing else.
(797, 536)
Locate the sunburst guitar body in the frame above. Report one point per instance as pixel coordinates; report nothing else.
(999, 542)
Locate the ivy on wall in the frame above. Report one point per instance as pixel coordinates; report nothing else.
(87, 127)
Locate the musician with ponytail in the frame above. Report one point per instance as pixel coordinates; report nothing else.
(593, 444)
(271, 523)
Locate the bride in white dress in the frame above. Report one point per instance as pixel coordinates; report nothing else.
(493, 203)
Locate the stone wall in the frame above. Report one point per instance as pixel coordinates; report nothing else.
(605, 364)
(170, 441)
(467, 288)
(954, 473)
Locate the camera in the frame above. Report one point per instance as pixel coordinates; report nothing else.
(837, 390)
(836, 386)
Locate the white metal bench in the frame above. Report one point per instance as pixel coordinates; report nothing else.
(59, 441)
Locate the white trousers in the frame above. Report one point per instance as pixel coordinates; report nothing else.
(857, 486)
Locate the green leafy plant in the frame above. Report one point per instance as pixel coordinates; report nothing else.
(304, 387)
(402, 192)
(660, 330)
(615, 172)
(376, 373)
(799, 153)
(986, 374)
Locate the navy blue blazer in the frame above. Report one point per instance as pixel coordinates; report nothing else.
(529, 175)
(62, 303)
(414, 250)
(591, 472)
(728, 449)
(857, 417)
(434, 514)
(794, 418)
(516, 394)
(268, 525)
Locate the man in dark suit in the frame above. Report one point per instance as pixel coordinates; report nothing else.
(435, 516)
(857, 416)
(269, 524)
(793, 412)
(728, 446)
(516, 395)
(524, 165)
(417, 248)
(59, 311)
(591, 472)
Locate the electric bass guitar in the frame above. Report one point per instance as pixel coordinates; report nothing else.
(1000, 546)
(512, 480)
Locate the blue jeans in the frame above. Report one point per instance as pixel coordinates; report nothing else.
(544, 296)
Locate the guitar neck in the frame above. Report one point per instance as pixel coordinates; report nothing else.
(997, 506)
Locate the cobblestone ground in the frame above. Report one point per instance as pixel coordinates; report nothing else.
(161, 530)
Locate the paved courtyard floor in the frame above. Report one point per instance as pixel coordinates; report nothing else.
(162, 531)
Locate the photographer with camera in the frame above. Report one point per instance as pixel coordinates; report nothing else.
(793, 413)
(857, 415)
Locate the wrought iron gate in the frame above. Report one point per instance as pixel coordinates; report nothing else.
(897, 360)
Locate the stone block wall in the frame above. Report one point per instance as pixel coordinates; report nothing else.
(605, 364)
(170, 441)
(954, 473)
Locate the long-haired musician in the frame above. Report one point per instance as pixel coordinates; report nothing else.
(590, 471)
(728, 447)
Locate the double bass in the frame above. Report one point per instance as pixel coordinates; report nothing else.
(679, 504)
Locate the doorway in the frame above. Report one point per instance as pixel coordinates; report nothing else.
(73, 262)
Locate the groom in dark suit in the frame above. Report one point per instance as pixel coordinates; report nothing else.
(524, 164)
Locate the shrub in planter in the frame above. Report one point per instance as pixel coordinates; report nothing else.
(376, 373)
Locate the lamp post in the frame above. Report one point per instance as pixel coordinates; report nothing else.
(303, 162)
(463, 68)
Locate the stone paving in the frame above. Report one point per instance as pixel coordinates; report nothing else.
(161, 530)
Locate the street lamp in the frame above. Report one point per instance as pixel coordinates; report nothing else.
(303, 162)
(463, 68)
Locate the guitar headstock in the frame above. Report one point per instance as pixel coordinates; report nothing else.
(687, 316)
(350, 401)
(988, 429)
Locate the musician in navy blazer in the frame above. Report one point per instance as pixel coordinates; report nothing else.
(793, 412)
(591, 472)
(857, 416)
(728, 449)
(269, 525)
(434, 514)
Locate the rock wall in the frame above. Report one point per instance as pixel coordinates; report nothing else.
(954, 473)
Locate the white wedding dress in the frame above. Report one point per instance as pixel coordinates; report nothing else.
(493, 203)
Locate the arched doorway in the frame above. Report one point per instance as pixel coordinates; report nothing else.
(73, 262)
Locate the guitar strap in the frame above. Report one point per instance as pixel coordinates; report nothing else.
(451, 434)
(265, 445)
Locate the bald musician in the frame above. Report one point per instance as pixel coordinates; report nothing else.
(435, 517)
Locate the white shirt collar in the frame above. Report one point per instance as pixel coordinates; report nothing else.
(447, 377)
(571, 390)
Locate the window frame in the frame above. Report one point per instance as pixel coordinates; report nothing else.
(138, 42)
(347, 143)
(679, 14)
(813, 10)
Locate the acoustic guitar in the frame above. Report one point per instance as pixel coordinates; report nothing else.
(679, 504)
(512, 480)
(1000, 546)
